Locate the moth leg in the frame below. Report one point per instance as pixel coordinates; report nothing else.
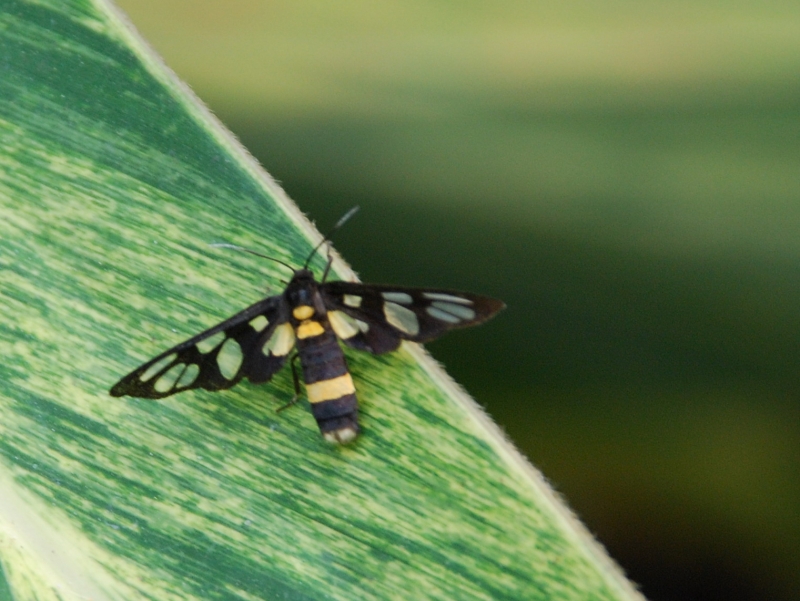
(296, 380)
(328, 264)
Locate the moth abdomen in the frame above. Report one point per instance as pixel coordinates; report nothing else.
(338, 418)
(329, 386)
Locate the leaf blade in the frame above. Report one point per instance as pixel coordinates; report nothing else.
(113, 180)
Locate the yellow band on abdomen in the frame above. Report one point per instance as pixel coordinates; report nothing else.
(327, 390)
(309, 329)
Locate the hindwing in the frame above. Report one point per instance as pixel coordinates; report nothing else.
(377, 318)
(253, 343)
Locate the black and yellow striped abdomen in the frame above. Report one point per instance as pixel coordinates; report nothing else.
(329, 386)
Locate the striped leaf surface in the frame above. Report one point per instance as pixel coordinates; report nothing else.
(113, 182)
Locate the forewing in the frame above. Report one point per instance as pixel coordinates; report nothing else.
(377, 318)
(244, 345)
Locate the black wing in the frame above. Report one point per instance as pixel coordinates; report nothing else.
(377, 318)
(253, 343)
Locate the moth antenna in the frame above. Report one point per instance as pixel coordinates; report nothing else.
(342, 220)
(252, 252)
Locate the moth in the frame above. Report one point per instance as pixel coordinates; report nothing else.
(310, 317)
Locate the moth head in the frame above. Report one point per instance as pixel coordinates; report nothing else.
(301, 289)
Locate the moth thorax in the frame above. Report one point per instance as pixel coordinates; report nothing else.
(303, 312)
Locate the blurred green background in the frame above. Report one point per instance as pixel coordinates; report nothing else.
(625, 175)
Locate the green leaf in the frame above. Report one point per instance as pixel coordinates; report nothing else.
(113, 181)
